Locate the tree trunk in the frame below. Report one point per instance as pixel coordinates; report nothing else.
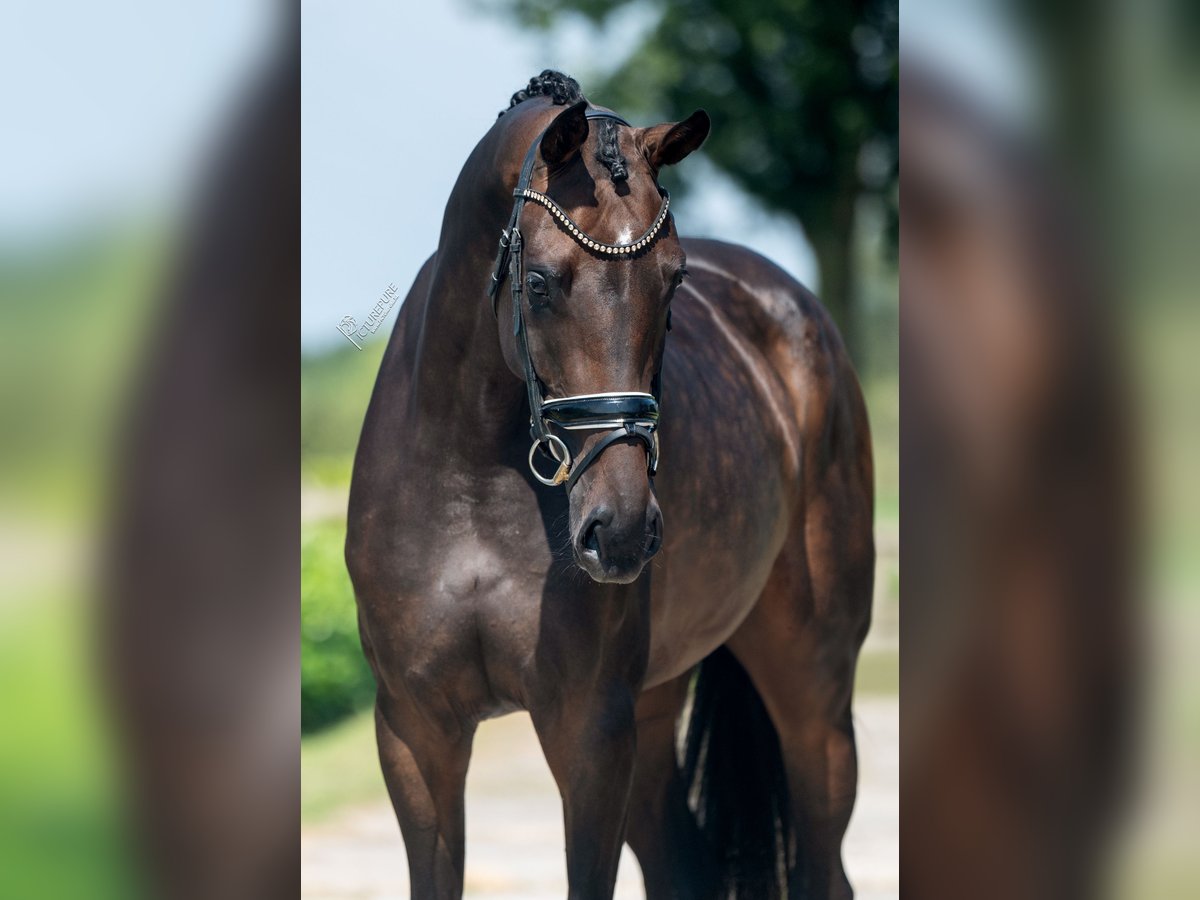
(834, 247)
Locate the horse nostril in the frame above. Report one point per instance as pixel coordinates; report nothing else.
(589, 536)
(590, 540)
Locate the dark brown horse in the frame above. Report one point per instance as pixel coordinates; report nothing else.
(481, 591)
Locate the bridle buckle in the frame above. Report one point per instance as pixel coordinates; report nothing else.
(559, 451)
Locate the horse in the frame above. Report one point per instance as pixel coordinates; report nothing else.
(629, 578)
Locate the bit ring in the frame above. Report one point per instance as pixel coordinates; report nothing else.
(560, 452)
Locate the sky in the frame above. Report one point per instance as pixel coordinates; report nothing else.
(973, 42)
(395, 96)
(111, 108)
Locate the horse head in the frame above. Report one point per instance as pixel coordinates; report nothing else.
(592, 261)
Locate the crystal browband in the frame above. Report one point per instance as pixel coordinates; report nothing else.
(591, 243)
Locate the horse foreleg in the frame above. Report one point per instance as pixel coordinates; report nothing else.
(589, 739)
(424, 764)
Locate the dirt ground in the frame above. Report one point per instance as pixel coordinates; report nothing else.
(514, 825)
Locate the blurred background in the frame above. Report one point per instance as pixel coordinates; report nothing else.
(1049, 432)
(114, 118)
(801, 166)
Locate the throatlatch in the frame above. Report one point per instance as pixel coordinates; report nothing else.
(625, 414)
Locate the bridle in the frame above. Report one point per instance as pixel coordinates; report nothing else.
(625, 414)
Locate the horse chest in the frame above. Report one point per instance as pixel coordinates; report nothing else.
(460, 557)
(452, 609)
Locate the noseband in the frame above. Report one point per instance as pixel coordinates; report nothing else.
(624, 414)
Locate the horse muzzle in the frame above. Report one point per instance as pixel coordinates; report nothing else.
(613, 548)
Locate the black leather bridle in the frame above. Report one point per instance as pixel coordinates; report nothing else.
(626, 414)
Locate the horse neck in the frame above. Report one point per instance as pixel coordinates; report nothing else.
(463, 387)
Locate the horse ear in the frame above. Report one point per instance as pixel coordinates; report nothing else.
(565, 135)
(667, 144)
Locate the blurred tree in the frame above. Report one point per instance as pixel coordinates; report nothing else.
(803, 96)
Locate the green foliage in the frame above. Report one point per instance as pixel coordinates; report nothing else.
(334, 676)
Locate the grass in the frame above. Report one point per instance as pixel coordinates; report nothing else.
(339, 768)
(61, 821)
(878, 673)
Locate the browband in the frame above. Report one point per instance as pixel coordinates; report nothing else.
(600, 246)
(632, 414)
(523, 193)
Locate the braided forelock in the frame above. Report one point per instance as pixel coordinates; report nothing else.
(564, 90)
(608, 150)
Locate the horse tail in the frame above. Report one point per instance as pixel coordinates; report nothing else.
(736, 784)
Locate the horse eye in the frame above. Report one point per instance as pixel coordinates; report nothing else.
(676, 281)
(537, 284)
